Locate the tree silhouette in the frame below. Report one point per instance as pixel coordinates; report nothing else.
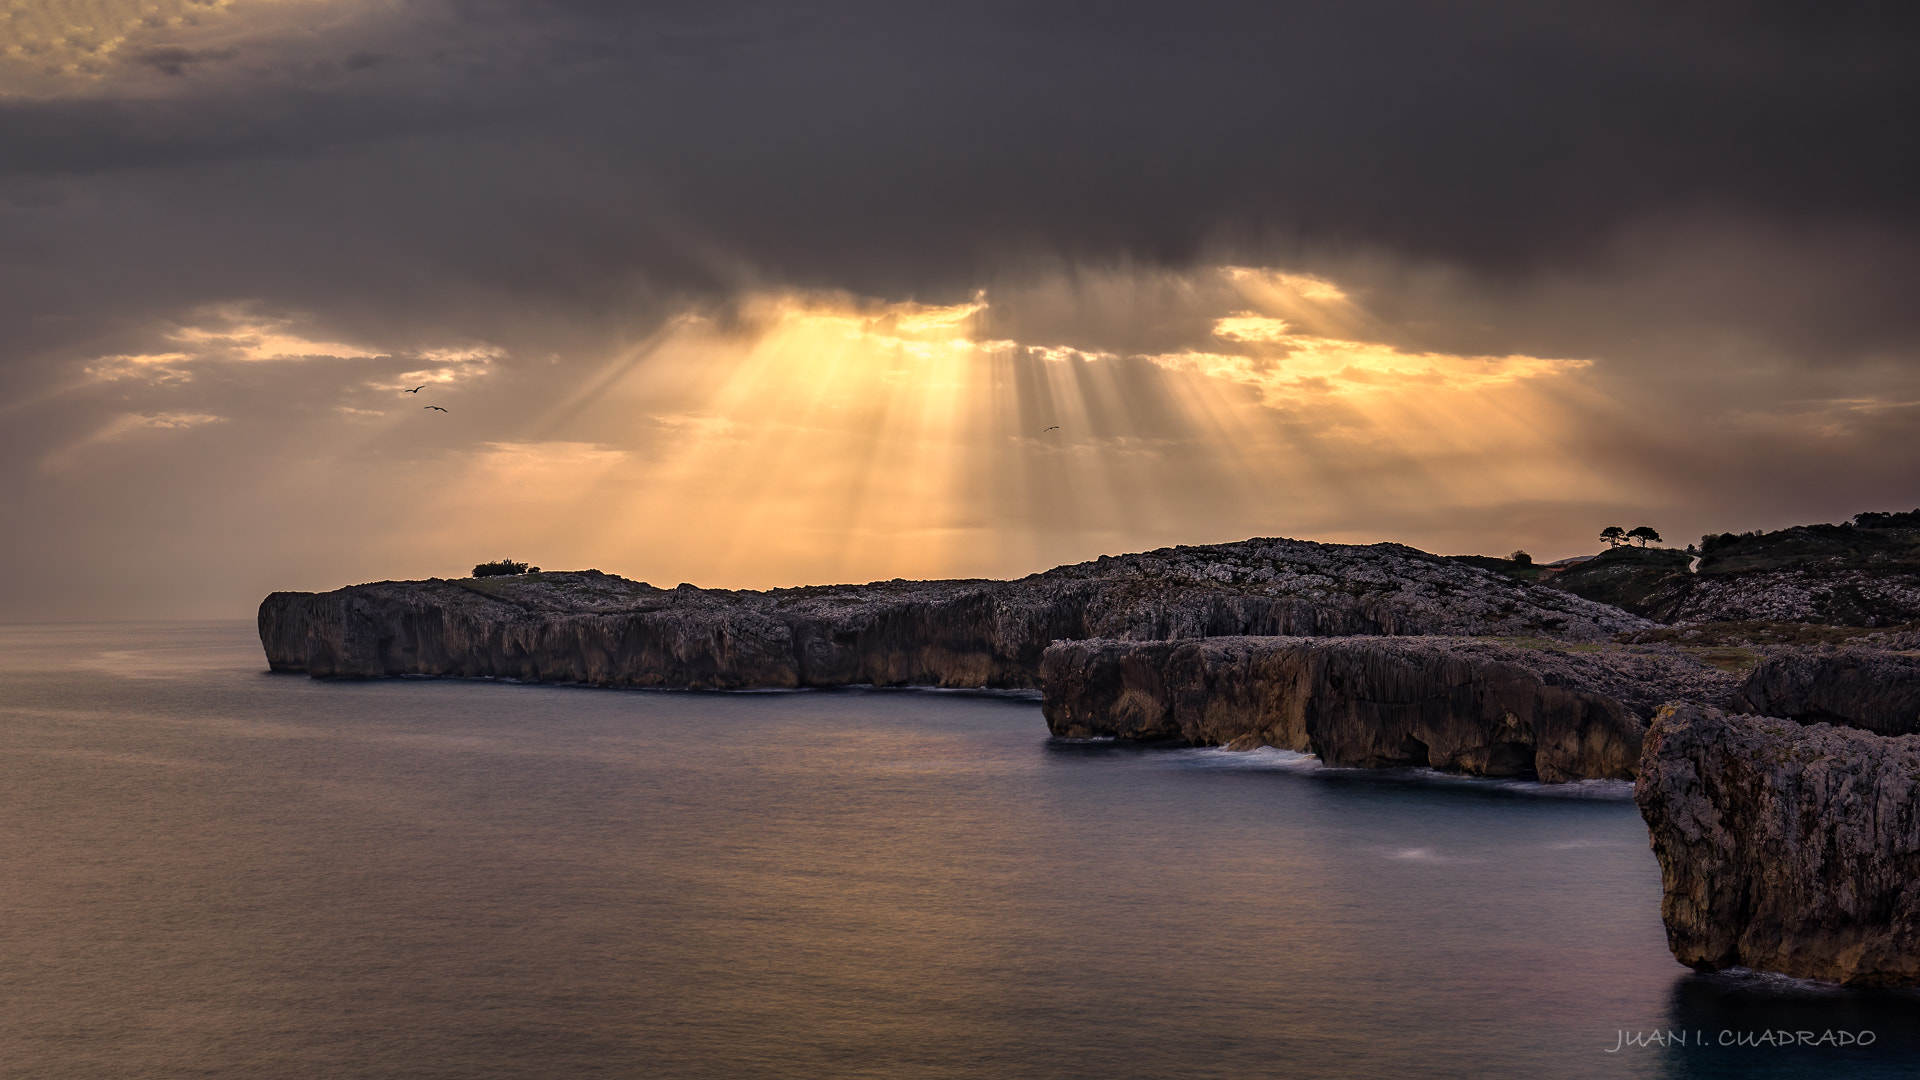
(1644, 534)
(1613, 535)
(502, 568)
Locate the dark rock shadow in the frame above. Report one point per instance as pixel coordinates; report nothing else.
(1756, 1026)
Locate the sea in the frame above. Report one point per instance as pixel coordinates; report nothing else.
(208, 870)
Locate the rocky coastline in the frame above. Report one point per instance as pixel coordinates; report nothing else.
(588, 627)
(1779, 775)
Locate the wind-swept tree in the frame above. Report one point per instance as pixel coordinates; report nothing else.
(1614, 535)
(1644, 534)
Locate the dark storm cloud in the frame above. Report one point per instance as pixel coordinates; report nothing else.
(1505, 137)
(872, 145)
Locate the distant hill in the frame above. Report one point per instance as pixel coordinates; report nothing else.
(1863, 573)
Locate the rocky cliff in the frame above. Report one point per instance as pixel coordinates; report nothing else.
(1472, 706)
(594, 628)
(1870, 689)
(1785, 848)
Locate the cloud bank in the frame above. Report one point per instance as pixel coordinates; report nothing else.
(746, 294)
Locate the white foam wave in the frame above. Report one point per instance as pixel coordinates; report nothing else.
(1606, 790)
(1263, 758)
(1771, 982)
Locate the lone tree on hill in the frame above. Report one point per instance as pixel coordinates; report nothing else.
(1644, 534)
(1614, 535)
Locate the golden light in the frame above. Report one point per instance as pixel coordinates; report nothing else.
(822, 437)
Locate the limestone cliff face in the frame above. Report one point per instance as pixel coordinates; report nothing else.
(1474, 707)
(1785, 848)
(1864, 688)
(594, 628)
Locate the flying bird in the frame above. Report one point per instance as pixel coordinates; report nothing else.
(419, 388)
(1055, 427)
(436, 408)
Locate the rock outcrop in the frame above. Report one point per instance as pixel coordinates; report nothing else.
(589, 627)
(1785, 848)
(1470, 706)
(1863, 688)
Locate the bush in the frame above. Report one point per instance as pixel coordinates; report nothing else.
(1908, 520)
(499, 569)
(1521, 557)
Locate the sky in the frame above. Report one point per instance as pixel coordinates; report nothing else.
(762, 294)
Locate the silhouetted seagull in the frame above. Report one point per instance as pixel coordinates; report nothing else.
(436, 408)
(1055, 427)
(419, 388)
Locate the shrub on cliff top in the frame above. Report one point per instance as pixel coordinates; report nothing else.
(499, 569)
(1909, 519)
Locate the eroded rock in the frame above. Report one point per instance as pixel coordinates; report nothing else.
(1785, 848)
(1470, 706)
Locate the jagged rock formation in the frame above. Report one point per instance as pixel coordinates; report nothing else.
(1471, 706)
(594, 628)
(1785, 848)
(1862, 688)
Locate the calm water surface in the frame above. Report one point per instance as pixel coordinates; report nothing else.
(209, 871)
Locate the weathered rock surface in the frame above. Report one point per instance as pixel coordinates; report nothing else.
(1785, 848)
(594, 628)
(1863, 688)
(1471, 706)
(1840, 597)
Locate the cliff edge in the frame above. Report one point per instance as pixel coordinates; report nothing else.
(1785, 848)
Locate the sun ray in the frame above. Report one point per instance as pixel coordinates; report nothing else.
(816, 437)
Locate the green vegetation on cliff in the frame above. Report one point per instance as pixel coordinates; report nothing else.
(1650, 582)
(1895, 546)
(1864, 573)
